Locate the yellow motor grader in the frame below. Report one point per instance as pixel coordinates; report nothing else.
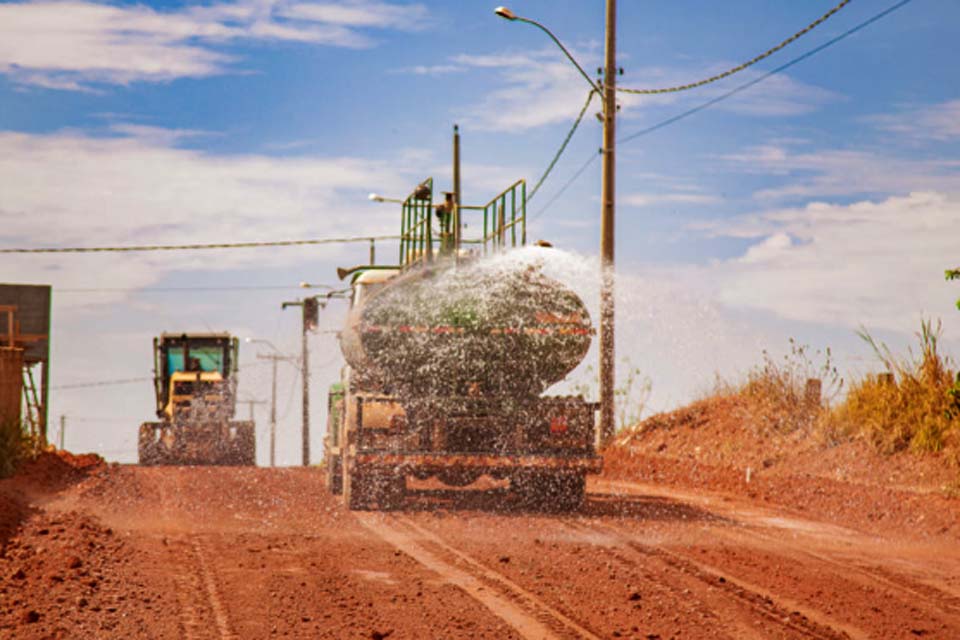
(195, 380)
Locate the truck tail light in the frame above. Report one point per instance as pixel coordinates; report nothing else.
(558, 424)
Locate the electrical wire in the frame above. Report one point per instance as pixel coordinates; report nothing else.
(99, 383)
(593, 157)
(745, 65)
(179, 247)
(110, 383)
(178, 289)
(732, 92)
(563, 146)
(781, 68)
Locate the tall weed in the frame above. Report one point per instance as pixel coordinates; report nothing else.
(912, 406)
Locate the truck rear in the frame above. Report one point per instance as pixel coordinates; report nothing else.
(448, 359)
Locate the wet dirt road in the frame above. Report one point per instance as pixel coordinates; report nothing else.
(202, 553)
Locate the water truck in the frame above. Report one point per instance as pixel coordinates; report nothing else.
(448, 355)
(195, 380)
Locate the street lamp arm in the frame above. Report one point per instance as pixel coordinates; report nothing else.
(512, 17)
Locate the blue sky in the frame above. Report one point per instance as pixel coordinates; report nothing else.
(820, 200)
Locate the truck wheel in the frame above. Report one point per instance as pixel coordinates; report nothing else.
(355, 488)
(334, 475)
(550, 491)
(569, 491)
(391, 488)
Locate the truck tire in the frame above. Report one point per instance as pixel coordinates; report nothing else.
(549, 490)
(363, 489)
(334, 475)
(355, 489)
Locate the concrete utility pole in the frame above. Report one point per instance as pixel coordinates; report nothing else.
(274, 358)
(309, 306)
(607, 215)
(63, 430)
(607, 89)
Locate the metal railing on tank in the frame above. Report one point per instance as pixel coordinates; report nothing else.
(504, 224)
(416, 234)
(504, 219)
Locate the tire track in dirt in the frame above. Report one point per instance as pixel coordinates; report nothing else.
(197, 590)
(213, 594)
(931, 593)
(916, 592)
(526, 613)
(786, 613)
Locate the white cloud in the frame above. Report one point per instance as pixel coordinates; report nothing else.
(837, 172)
(68, 189)
(540, 88)
(878, 264)
(72, 44)
(652, 199)
(940, 122)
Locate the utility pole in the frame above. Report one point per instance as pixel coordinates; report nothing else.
(63, 429)
(607, 214)
(250, 403)
(274, 358)
(310, 307)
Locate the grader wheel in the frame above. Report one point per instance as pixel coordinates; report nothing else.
(148, 448)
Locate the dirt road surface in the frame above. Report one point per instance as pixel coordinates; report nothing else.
(218, 553)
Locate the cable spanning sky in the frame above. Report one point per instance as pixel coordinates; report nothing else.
(825, 198)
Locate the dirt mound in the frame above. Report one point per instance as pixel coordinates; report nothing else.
(717, 445)
(55, 470)
(49, 472)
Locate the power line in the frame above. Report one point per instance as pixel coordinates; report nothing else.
(220, 245)
(593, 157)
(745, 65)
(779, 69)
(178, 289)
(99, 383)
(121, 381)
(563, 146)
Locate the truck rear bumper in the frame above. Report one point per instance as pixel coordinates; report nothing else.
(482, 462)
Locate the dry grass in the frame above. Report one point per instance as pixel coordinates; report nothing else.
(786, 396)
(914, 406)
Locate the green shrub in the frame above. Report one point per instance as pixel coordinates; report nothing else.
(14, 447)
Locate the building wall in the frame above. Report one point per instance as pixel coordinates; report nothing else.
(11, 383)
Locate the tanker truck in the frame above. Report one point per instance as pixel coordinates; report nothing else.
(195, 381)
(448, 355)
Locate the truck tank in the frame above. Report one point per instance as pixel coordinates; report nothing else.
(505, 329)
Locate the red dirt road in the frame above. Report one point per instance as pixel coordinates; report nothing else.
(222, 553)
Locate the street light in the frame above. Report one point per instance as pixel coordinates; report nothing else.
(607, 205)
(376, 197)
(505, 13)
